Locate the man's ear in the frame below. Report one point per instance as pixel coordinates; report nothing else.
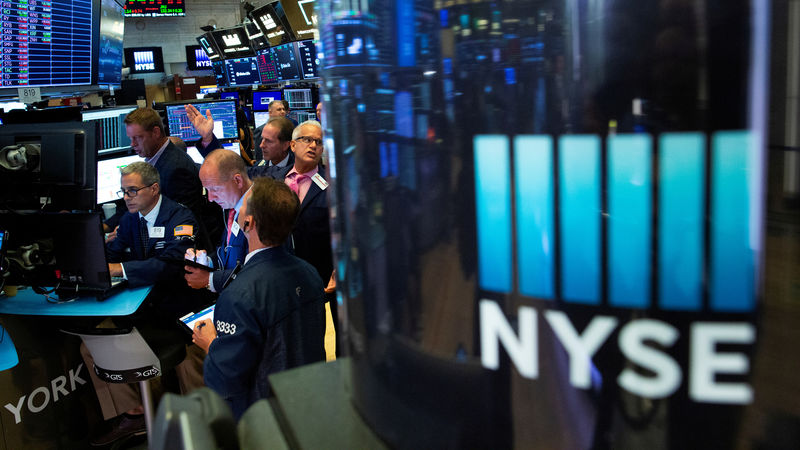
(291, 146)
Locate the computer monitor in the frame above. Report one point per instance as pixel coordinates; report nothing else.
(286, 62)
(233, 42)
(242, 71)
(229, 95)
(223, 111)
(194, 153)
(272, 21)
(220, 74)
(110, 46)
(260, 118)
(262, 99)
(308, 59)
(60, 165)
(108, 176)
(266, 67)
(299, 98)
(111, 124)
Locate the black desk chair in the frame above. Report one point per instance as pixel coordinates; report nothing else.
(124, 355)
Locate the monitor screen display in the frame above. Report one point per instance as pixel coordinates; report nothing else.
(108, 176)
(299, 98)
(272, 21)
(266, 67)
(301, 18)
(286, 62)
(219, 73)
(242, 71)
(258, 41)
(109, 53)
(260, 118)
(223, 111)
(37, 60)
(261, 99)
(144, 59)
(233, 42)
(210, 46)
(155, 8)
(308, 59)
(197, 58)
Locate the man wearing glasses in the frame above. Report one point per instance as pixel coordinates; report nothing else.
(152, 238)
(311, 236)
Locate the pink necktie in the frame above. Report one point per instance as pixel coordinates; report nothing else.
(231, 213)
(294, 183)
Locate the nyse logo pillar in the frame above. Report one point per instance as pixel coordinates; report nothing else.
(639, 258)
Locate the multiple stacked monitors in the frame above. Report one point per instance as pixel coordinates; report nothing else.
(242, 71)
(155, 8)
(223, 111)
(196, 58)
(144, 59)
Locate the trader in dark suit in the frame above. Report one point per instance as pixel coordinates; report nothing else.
(151, 241)
(224, 175)
(272, 316)
(311, 236)
(179, 175)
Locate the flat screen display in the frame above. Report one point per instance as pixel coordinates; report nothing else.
(307, 51)
(258, 41)
(210, 46)
(155, 8)
(55, 52)
(261, 99)
(242, 71)
(266, 67)
(272, 21)
(144, 59)
(233, 42)
(286, 62)
(197, 58)
(229, 95)
(260, 118)
(109, 53)
(220, 75)
(223, 112)
(301, 18)
(108, 177)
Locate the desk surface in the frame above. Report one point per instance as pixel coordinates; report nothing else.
(29, 303)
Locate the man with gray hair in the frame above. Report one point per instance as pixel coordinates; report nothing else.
(152, 238)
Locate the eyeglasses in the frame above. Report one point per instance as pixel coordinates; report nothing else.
(132, 192)
(308, 140)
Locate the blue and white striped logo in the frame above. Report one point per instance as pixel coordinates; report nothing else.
(670, 221)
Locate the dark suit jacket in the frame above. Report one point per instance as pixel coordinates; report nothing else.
(271, 318)
(162, 265)
(311, 236)
(180, 182)
(264, 170)
(228, 256)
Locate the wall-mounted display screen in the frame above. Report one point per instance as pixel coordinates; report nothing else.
(197, 58)
(242, 71)
(155, 8)
(55, 52)
(307, 51)
(109, 53)
(233, 42)
(144, 59)
(286, 62)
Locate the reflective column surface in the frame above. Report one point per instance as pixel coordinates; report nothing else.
(551, 223)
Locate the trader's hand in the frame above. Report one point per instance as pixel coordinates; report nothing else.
(112, 235)
(203, 333)
(196, 278)
(115, 269)
(204, 125)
